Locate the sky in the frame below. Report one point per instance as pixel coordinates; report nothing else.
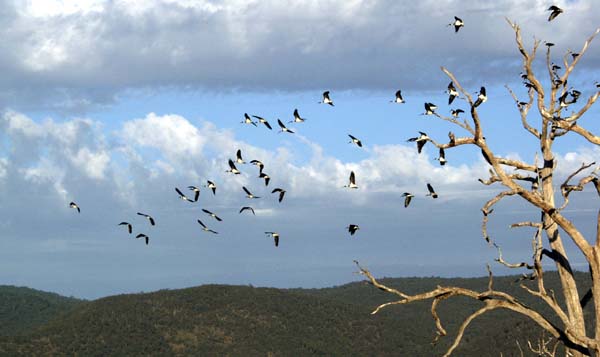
(113, 104)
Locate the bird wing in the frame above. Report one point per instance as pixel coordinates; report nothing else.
(442, 153)
(430, 188)
(202, 224)
(407, 200)
(276, 239)
(296, 115)
(217, 218)
(482, 91)
(281, 194)
(246, 190)
(179, 192)
(207, 211)
(232, 165)
(352, 177)
(143, 214)
(352, 137)
(196, 196)
(267, 125)
(280, 124)
(420, 144)
(151, 220)
(238, 154)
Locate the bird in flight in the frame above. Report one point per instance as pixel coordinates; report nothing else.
(456, 112)
(281, 193)
(258, 163)
(248, 193)
(211, 214)
(442, 157)
(431, 191)
(205, 228)
(264, 121)
(457, 23)
(452, 93)
(182, 196)
(326, 99)
(212, 186)
(481, 97)
(266, 177)
(407, 197)
(354, 140)
(196, 192)
(248, 120)
(421, 140)
(129, 227)
(351, 181)
(238, 157)
(148, 217)
(142, 235)
(555, 11)
(352, 228)
(297, 118)
(248, 208)
(74, 205)
(232, 168)
(430, 108)
(398, 98)
(275, 236)
(283, 128)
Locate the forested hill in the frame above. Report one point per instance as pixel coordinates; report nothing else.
(248, 321)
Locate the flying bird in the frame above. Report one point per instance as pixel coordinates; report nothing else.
(481, 98)
(238, 157)
(247, 208)
(248, 193)
(148, 217)
(326, 99)
(266, 177)
(421, 140)
(182, 196)
(196, 192)
(283, 128)
(211, 214)
(297, 118)
(430, 108)
(354, 140)
(275, 236)
(555, 11)
(142, 235)
(248, 120)
(456, 112)
(258, 163)
(281, 193)
(264, 121)
(129, 227)
(442, 158)
(352, 228)
(452, 93)
(232, 168)
(351, 181)
(74, 205)
(205, 228)
(431, 191)
(407, 197)
(457, 23)
(212, 186)
(398, 98)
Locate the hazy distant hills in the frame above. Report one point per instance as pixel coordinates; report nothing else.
(247, 321)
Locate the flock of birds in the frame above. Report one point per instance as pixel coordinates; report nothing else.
(568, 98)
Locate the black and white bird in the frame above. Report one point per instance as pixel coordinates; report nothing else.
(182, 196)
(280, 191)
(265, 177)
(74, 205)
(555, 11)
(129, 227)
(275, 236)
(407, 197)
(205, 228)
(258, 163)
(442, 157)
(142, 235)
(421, 140)
(148, 217)
(248, 193)
(457, 23)
(354, 140)
(232, 168)
(264, 121)
(452, 93)
(247, 208)
(351, 181)
(238, 157)
(196, 191)
(297, 118)
(352, 228)
(212, 186)
(452, 138)
(248, 120)
(211, 214)
(398, 98)
(481, 97)
(430, 108)
(326, 99)
(431, 191)
(283, 128)
(456, 112)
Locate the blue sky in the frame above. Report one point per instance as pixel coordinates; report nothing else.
(113, 104)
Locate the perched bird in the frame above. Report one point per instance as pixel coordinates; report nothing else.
(74, 205)
(248, 193)
(326, 99)
(452, 138)
(129, 227)
(258, 163)
(182, 196)
(421, 140)
(297, 118)
(452, 93)
(281, 193)
(196, 192)
(238, 157)
(148, 217)
(457, 23)
(398, 98)
(247, 208)
(232, 168)
(352, 228)
(456, 112)
(264, 121)
(266, 177)
(205, 228)
(430, 108)
(283, 128)
(555, 11)
(351, 181)
(562, 100)
(442, 158)
(354, 140)
(211, 214)
(431, 191)
(481, 98)
(248, 120)
(407, 197)
(212, 186)
(275, 236)
(142, 235)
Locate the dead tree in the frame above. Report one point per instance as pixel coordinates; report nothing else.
(534, 183)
